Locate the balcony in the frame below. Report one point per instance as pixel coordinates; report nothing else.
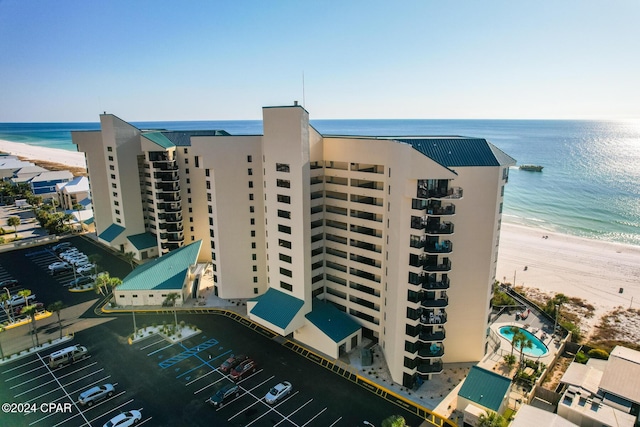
(170, 217)
(441, 192)
(167, 186)
(432, 336)
(165, 165)
(438, 227)
(169, 208)
(429, 302)
(166, 176)
(166, 247)
(169, 197)
(434, 367)
(432, 284)
(443, 247)
(171, 227)
(435, 208)
(428, 265)
(432, 317)
(433, 350)
(169, 237)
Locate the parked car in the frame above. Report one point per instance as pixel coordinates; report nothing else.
(60, 246)
(278, 391)
(225, 394)
(71, 255)
(96, 394)
(18, 310)
(20, 300)
(231, 363)
(79, 281)
(69, 251)
(57, 264)
(125, 419)
(85, 268)
(79, 260)
(60, 269)
(245, 368)
(8, 283)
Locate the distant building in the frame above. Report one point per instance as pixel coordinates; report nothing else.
(603, 392)
(74, 192)
(44, 183)
(530, 416)
(398, 233)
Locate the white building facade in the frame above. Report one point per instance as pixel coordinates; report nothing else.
(399, 233)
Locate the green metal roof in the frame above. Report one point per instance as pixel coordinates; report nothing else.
(277, 307)
(113, 231)
(457, 151)
(159, 138)
(183, 137)
(485, 388)
(167, 272)
(143, 240)
(336, 324)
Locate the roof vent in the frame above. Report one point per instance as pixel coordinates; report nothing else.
(295, 103)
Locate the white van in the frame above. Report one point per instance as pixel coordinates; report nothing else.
(67, 355)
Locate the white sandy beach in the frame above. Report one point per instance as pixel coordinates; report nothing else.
(65, 157)
(577, 267)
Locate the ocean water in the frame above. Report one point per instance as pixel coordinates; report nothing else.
(590, 185)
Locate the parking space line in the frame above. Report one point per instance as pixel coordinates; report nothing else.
(51, 391)
(160, 349)
(199, 378)
(23, 373)
(49, 382)
(87, 409)
(316, 416)
(106, 400)
(244, 409)
(207, 386)
(61, 387)
(152, 344)
(273, 409)
(187, 353)
(205, 363)
(335, 422)
(108, 412)
(22, 365)
(287, 417)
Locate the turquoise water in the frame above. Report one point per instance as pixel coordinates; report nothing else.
(538, 349)
(589, 186)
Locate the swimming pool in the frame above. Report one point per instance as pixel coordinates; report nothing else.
(538, 349)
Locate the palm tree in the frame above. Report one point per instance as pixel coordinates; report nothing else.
(56, 307)
(517, 337)
(14, 221)
(490, 419)
(170, 300)
(95, 259)
(102, 281)
(524, 344)
(129, 256)
(31, 310)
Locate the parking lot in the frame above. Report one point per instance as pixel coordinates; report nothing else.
(169, 382)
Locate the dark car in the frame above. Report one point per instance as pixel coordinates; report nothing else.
(59, 269)
(225, 394)
(61, 247)
(232, 362)
(82, 280)
(8, 283)
(245, 368)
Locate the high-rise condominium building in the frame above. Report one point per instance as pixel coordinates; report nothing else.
(395, 235)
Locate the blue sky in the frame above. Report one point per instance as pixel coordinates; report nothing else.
(69, 60)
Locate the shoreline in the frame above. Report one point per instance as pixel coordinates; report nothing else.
(34, 153)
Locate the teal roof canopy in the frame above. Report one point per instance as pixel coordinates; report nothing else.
(455, 151)
(143, 240)
(165, 273)
(113, 231)
(334, 323)
(485, 388)
(159, 138)
(277, 307)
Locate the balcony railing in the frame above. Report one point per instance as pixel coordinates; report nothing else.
(434, 285)
(434, 367)
(167, 186)
(440, 193)
(435, 302)
(168, 165)
(442, 228)
(433, 336)
(169, 197)
(433, 267)
(166, 176)
(433, 317)
(437, 209)
(443, 247)
(433, 350)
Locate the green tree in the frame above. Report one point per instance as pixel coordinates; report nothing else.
(31, 310)
(516, 338)
(129, 256)
(490, 419)
(394, 421)
(14, 221)
(170, 301)
(56, 307)
(525, 343)
(5, 305)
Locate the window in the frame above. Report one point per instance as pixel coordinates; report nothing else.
(284, 214)
(286, 272)
(115, 194)
(286, 286)
(206, 172)
(253, 257)
(111, 167)
(111, 158)
(250, 184)
(284, 199)
(255, 279)
(186, 150)
(109, 148)
(284, 229)
(197, 160)
(284, 243)
(282, 167)
(191, 228)
(118, 220)
(249, 171)
(188, 189)
(188, 181)
(117, 212)
(255, 268)
(189, 200)
(208, 197)
(113, 185)
(186, 171)
(253, 245)
(253, 233)
(251, 209)
(190, 219)
(284, 183)
(186, 161)
(115, 202)
(250, 196)
(249, 159)
(252, 221)
(285, 258)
